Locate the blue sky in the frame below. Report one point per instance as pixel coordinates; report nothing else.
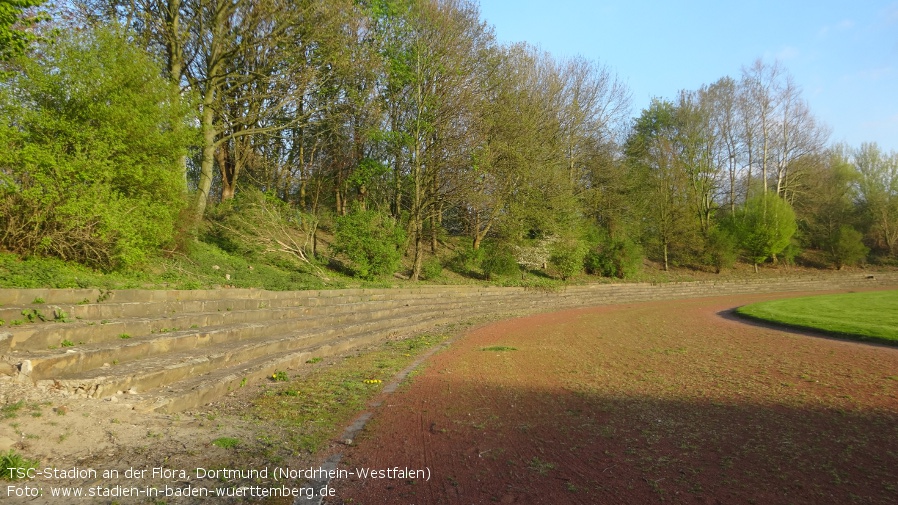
(843, 54)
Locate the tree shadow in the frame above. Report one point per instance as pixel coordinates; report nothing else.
(495, 443)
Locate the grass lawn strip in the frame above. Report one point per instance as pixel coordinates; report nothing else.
(869, 316)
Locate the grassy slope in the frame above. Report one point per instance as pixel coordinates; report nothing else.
(863, 316)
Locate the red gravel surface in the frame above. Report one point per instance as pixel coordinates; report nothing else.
(644, 403)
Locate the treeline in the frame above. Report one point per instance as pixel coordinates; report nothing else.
(401, 126)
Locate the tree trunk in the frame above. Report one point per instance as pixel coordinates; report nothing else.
(227, 162)
(208, 156)
(433, 230)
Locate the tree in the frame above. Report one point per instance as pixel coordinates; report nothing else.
(92, 135)
(724, 116)
(878, 194)
(761, 84)
(655, 151)
(15, 25)
(764, 227)
(828, 202)
(432, 61)
(846, 247)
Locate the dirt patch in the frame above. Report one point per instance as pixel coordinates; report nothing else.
(65, 433)
(639, 403)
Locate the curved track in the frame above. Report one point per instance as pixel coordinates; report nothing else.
(640, 403)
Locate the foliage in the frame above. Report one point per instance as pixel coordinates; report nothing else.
(371, 241)
(658, 150)
(830, 191)
(877, 174)
(621, 258)
(498, 259)
(14, 464)
(226, 442)
(14, 24)
(567, 256)
(847, 247)
(764, 227)
(91, 165)
(432, 268)
(466, 260)
(410, 106)
(721, 249)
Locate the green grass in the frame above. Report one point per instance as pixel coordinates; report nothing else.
(13, 466)
(314, 408)
(870, 316)
(226, 442)
(11, 410)
(499, 348)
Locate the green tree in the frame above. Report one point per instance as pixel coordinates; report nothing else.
(846, 247)
(15, 24)
(764, 227)
(655, 151)
(878, 194)
(828, 203)
(567, 255)
(90, 171)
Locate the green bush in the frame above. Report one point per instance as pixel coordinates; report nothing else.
(431, 269)
(764, 227)
(614, 258)
(846, 247)
(721, 249)
(13, 465)
(498, 260)
(92, 142)
(371, 241)
(261, 226)
(567, 256)
(466, 260)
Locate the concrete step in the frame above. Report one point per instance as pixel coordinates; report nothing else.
(204, 388)
(49, 363)
(160, 370)
(41, 336)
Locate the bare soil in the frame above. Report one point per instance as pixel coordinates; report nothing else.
(654, 402)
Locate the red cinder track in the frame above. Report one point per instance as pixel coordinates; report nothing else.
(642, 403)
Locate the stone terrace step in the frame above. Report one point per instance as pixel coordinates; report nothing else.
(41, 336)
(47, 363)
(175, 366)
(202, 389)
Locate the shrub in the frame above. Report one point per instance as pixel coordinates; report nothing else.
(721, 249)
(567, 257)
(614, 258)
(466, 260)
(846, 247)
(91, 153)
(498, 260)
(371, 241)
(260, 225)
(14, 466)
(764, 227)
(431, 269)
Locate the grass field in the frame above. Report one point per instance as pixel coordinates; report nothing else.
(869, 316)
